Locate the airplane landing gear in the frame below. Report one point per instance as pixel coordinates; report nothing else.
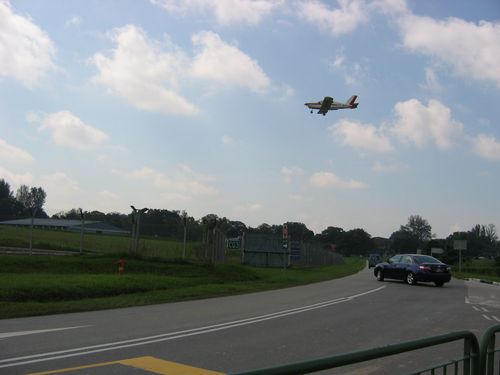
(311, 111)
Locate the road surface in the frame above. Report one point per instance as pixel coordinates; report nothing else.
(256, 330)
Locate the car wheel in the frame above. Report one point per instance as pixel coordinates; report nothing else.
(410, 278)
(438, 283)
(379, 275)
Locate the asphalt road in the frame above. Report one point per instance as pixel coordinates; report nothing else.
(256, 330)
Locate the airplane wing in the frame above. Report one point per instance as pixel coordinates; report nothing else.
(326, 105)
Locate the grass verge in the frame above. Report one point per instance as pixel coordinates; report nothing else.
(469, 275)
(39, 285)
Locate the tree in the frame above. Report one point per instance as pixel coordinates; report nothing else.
(32, 200)
(482, 240)
(299, 232)
(5, 189)
(356, 241)
(331, 235)
(419, 228)
(8, 205)
(412, 236)
(402, 241)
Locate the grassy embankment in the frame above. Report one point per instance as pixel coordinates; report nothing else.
(37, 285)
(485, 269)
(99, 243)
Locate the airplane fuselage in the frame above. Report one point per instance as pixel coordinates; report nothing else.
(328, 104)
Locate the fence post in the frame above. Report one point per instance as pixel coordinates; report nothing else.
(487, 350)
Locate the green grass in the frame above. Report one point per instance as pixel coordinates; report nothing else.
(37, 285)
(99, 243)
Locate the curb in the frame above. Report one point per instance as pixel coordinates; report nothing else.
(484, 281)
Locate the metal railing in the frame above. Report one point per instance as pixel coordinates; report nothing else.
(470, 362)
(487, 348)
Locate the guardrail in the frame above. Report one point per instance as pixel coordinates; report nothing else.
(487, 349)
(471, 362)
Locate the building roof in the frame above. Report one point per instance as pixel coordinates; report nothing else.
(89, 225)
(48, 222)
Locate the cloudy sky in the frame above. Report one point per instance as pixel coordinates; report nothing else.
(198, 105)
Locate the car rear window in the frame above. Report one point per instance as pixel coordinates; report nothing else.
(425, 259)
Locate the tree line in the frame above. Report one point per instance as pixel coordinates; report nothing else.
(27, 202)
(415, 235)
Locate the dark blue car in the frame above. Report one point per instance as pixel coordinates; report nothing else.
(413, 268)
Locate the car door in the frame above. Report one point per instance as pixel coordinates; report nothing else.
(391, 270)
(404, 266)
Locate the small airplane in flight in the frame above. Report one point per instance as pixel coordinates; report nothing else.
(328, 104)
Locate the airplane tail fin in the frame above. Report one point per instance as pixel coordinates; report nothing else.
(351, 100)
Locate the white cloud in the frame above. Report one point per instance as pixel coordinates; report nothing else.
(327, 179)
(74, 21)
(225, 64)
(16, 179)
(184, 182)
(390, 7)
(227, 140)
(379, 167)
(354, 73)
(421, 125)
(26, 51)
(289, 173)
(59, 183)
(249, 207)
(68, 130)
(109, 201)
(431, 80)
(226, 12)
(486, 147)
(144, 75)
(13, 153)
(471, 49)
(338, 62)
(364, 137)
(345, 19)
(141, 74)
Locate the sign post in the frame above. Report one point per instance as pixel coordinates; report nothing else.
(460, 245)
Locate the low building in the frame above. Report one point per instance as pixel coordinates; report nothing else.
(69, 225)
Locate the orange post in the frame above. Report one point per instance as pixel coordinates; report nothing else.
(121, 266)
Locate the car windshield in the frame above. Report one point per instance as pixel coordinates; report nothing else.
(420, 259)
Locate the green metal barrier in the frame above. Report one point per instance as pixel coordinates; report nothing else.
(470, 361)
(487, 349)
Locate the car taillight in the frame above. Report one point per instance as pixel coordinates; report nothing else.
(424, 268)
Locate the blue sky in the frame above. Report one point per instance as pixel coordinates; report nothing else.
(198, 105)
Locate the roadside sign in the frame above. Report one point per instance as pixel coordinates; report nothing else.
(436, 250)
(233, 243)
(460, 244)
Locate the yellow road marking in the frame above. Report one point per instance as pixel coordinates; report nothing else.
(152, 364)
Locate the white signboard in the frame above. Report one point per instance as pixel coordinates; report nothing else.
(436, 250)
(460, 245)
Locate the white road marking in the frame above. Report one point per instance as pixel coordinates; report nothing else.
(486, 317)
(497, 319)
(22, 333)
(476, 308)
(9, 362)
(484, 309)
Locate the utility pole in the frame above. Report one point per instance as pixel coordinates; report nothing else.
(135, 233)
(33, 213)
(132, 239)
(81, 230)
(184, 223)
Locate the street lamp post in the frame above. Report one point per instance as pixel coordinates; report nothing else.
(184, 223)
(81, 230)
(135, 228)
